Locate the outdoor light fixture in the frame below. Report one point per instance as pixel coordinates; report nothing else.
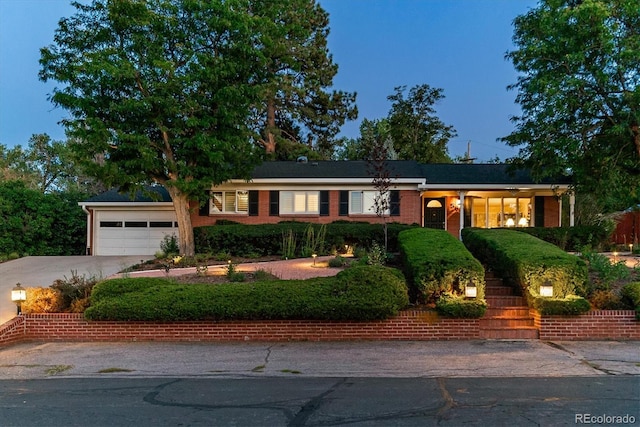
(455, 205)
(615, 257)
(546, 289)
(631, 247)
(471, 291)
(18, 296)
(314, 258)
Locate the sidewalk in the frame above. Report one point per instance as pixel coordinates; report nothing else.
(404, 359)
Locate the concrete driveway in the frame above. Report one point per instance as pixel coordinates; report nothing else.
(42, 271)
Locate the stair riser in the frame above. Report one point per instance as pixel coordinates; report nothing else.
(498, 291)
(505, 301)
(506, 313)
(489, 323)
(512, 334)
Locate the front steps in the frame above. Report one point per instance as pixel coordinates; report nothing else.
(507, 316)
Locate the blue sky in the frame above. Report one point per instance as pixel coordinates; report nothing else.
(456, 45)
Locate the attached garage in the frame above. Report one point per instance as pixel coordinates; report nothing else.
(119, 225)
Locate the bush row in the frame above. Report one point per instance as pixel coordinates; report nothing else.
(571, 238)
(358, 293)
(292, 238)
(526, 262)
(435, 263)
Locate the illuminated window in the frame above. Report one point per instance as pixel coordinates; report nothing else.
(299, 202)
(229, 202)
(363, 202)
(501, 212)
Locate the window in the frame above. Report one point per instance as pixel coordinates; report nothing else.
(501, 212)
(363, 202)
(299, 202)
(229, 202)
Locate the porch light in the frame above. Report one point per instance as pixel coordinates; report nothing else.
(471, 291)
(455, 205)
(18, 296)
(546, 289)
(314, 256)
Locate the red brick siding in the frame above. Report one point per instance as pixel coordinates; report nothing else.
(551, 213)
(410, 212)
(594, 325)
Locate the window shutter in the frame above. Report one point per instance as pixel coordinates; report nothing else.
(324, 203)
(394, 203)
(274, 197)
(204, 208)
(538, 219)
(253, 202)
(344, 203)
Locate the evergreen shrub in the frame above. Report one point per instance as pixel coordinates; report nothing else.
(358, 293)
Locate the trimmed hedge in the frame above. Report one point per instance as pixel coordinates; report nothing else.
(570, 238)
(571, 305)
(267, 239)
(526, 262)
(358, 293)
(457, 306)
(435, 263)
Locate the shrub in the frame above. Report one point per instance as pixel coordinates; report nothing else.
(359, 293)
(606, 272)
(42, 300)
(435, 263)
(336, 262)
(606, 300)
(75, 291)
(527, 262)
(570, 238)
(169, 245)
(571, 305)
(631, 296)
(456, 306)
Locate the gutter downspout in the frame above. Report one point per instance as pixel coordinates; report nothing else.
(88, 212)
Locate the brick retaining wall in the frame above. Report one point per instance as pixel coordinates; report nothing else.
(408, 325)
(594, 325)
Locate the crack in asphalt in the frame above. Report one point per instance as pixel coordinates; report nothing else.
(312, 405)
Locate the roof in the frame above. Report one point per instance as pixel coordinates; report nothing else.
(333, 169)
(460, 173)
(151, 193)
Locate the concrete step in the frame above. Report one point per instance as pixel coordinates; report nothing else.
(521, 333)
(505, 301)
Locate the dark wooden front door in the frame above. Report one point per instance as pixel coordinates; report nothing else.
(434, 213)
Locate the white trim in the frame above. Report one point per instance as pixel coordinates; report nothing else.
(487, 187)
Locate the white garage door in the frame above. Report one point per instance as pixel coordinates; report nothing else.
(132, 233)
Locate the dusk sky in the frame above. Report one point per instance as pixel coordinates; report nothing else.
(456, 45)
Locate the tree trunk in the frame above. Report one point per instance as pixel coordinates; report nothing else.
(186, 241)
(270, 143)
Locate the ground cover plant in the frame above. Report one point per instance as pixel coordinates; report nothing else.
(527, 263)
(358, 293)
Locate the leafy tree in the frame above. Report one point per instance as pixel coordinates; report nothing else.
(296, 106)
(40, 224)
(49, 162)
(159, 91)
(374, 136)
(579, 89)
(416, 132)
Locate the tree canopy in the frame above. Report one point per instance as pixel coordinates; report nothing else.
(297, 108)
(159, 91)
(579, 89)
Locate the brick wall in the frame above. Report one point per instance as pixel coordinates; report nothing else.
(408, 325)
(594, 325)
(551, 212)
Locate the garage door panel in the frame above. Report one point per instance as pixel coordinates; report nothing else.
(131, 232)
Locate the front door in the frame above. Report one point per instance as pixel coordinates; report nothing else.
(434, 213)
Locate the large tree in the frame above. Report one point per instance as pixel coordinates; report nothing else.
(579, 89)
(297, 105)
(159, 91)
(416, 131)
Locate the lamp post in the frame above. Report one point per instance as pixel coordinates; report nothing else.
(314, 256)
(18, 296)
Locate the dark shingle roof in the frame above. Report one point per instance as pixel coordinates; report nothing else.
(159, 193)
(458, 173)
(333, 169)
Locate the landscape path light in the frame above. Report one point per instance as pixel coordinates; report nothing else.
(471, 291)
(18, 296)
(314, 256)
(546, 289)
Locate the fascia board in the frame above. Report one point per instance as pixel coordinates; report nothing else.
(323, 181)
(126, 205)
(492, 187)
